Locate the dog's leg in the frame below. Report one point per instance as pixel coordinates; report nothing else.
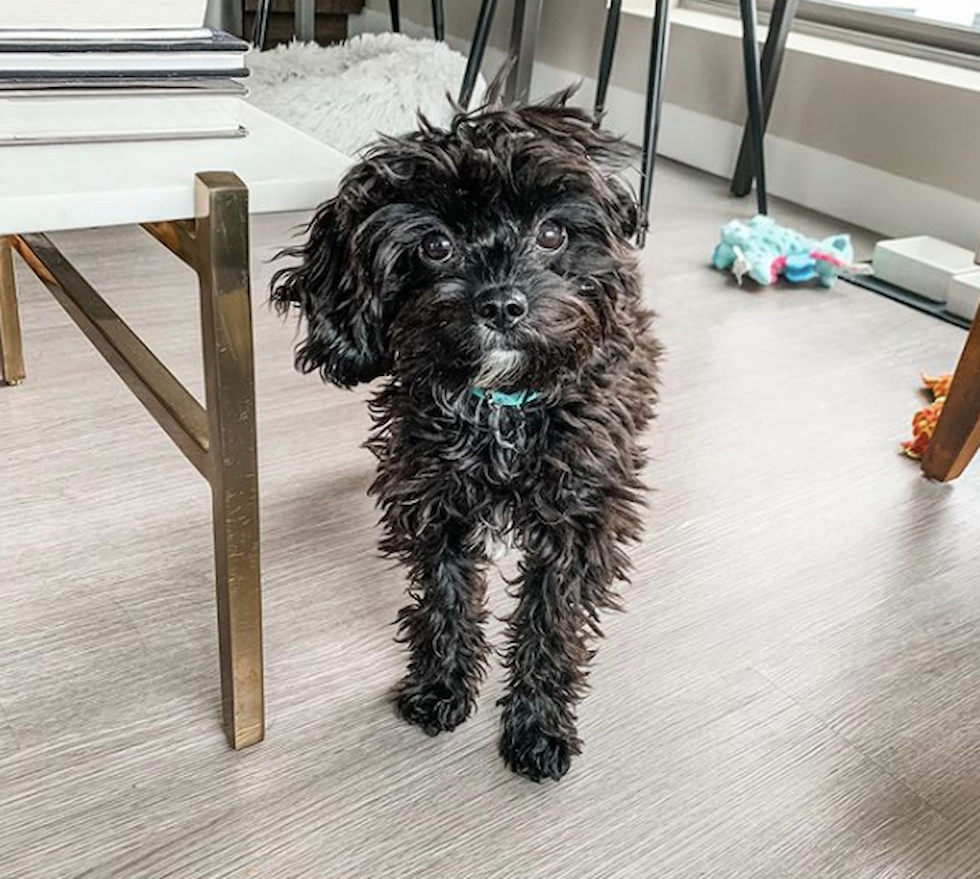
(444, 630)
(567, 576)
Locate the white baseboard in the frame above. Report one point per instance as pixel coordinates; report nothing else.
(850, 191)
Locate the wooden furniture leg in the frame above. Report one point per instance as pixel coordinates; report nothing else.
(957, 435)
(11, 346)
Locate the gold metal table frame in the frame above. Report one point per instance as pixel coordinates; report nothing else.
(219, 438)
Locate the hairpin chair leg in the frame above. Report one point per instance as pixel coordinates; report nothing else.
(438, 21)
(753, 91)
(396, 18)
(957, 435)
(523, 47)
(260, 25)
(780, 24)
(606, 59)
(651, 120)
(487, 10)
(11, 346)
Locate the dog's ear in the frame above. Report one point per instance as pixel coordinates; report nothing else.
(344, 336)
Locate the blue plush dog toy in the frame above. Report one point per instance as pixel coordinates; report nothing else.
(766, 251)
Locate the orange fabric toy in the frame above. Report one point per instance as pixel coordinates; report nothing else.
(924, 421)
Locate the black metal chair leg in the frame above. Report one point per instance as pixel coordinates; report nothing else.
(487, 10)
(606, 60)
(396, 18)
(438, 21)
(753, 91)
(780, 24)
(651, 120)
(260, 25)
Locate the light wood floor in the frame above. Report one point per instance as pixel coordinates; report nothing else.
(794, 691)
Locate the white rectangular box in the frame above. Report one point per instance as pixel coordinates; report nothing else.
(963, 295)
(921, 264)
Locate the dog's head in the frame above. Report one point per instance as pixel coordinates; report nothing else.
(494, 254)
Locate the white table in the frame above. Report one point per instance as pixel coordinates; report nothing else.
(49, 188)
(195, 197)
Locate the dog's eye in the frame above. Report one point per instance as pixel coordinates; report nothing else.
(437, 246)
(550, 235)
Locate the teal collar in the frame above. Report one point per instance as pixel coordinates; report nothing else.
(502, 398)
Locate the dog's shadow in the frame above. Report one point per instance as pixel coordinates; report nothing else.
(321, 538)
(330, 505)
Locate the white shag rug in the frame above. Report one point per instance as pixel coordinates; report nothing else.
(348, 94)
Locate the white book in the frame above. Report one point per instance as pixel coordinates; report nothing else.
(128, 88)
(57, 41)
(127, 117)
(56, 53)
(102, 35)
(14, 63)
(102, 13)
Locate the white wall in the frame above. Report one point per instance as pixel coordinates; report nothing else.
(884, 141)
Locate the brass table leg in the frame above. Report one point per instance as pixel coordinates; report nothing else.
(218, 440)
(226, 323)
(11, 347)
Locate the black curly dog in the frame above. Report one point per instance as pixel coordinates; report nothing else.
(487, 270)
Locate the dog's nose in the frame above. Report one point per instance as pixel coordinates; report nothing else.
(502, 309)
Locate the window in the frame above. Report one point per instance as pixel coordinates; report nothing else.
(949, 29)
(962, 13)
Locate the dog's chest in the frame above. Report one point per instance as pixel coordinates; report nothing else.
(492, 534)
(496, 468)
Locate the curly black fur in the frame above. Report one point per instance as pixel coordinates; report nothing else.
(559, 475)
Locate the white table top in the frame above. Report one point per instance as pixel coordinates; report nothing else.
(72, 186)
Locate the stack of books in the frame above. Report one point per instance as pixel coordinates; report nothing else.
(123, 72)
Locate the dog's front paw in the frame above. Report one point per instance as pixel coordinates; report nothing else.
(435, 707)
(536, 754)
